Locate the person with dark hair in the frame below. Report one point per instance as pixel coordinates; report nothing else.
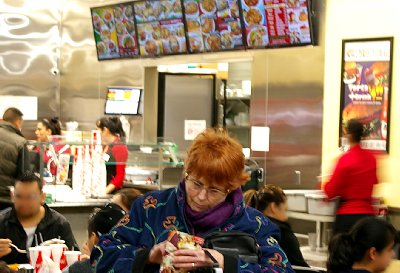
(272, 202)
(14, 153)
(30, 217)
(353, 180)
(124, 198)
(49, 130)
(208, 199)
(100, 222)
(366, 248)
(112, 137)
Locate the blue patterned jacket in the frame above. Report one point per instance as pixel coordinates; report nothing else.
(126, 247)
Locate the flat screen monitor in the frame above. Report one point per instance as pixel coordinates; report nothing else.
(115, 31)
(277, 23)
(123, 101)
(160, 27)
(213, 25)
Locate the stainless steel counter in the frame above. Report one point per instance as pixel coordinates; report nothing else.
(87, 203)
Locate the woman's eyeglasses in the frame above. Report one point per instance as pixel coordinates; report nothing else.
(212, 193)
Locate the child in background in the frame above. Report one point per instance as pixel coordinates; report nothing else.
(366, 248)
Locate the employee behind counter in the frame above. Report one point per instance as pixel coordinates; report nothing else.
(112, 137)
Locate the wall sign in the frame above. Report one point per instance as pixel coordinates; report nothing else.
(365, 89)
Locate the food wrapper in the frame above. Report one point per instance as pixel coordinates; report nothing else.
(178, 240)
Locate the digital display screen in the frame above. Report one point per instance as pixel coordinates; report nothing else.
(160, 27)
(271, 23)
(213, 25)
(123, 100)
(170, 27)
(115, 32)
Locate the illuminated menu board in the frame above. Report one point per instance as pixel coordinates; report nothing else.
(160, 27)
(276, 22)
(114, 31)
(213, 25)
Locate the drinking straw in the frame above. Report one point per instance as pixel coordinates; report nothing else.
(41, 237)
(36, 240)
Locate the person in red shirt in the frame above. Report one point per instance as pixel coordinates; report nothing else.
(112, 136)
(353, 180)
(49, 130)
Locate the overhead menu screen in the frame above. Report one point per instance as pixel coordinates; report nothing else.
(114, 32)
(270, 23)
(213, 25)
(160, 27)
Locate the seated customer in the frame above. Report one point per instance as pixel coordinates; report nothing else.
(208, 199)
(366, 248)
(29, 216)
(100, 222)
(125, 197)
(272, 202)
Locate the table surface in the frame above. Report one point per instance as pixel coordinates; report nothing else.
(311, 217)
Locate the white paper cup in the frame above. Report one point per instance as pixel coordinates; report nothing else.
(57, 251)
(34, 253)
(72, 256)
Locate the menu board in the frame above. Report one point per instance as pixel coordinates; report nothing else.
(276, 22)
(160, 27)
(114, 31)
(213, 25)
(366, 89)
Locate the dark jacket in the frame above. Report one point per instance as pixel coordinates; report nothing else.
(53, 225)
(14, 158)
(289, 243)
(153, 215)
(79, 267)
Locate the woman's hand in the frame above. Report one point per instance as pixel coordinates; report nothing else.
(85, 248)
(157, 252)
(189, 259)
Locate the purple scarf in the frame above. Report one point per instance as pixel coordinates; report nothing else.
(203, 221)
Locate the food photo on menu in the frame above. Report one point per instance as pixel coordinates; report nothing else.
(160, 27)
(125, 28)
(193, 24)
(299, 23)
(105, 33)
(255, 23)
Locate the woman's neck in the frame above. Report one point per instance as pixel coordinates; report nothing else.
(363, 266)
(110, 139)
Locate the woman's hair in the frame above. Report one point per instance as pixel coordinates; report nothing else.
(267, 195)
(250, 198)
(113, 124)
(347, 248)
(217, 158)
(355, 129)
(54, 124)
(128, 195)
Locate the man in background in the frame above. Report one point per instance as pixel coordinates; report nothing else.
(30, 217)
(14, 158)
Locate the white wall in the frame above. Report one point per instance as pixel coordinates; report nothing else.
(361, 19)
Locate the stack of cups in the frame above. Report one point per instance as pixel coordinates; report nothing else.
(58, 253)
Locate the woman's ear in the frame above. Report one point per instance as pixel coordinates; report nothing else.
(372, 253)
